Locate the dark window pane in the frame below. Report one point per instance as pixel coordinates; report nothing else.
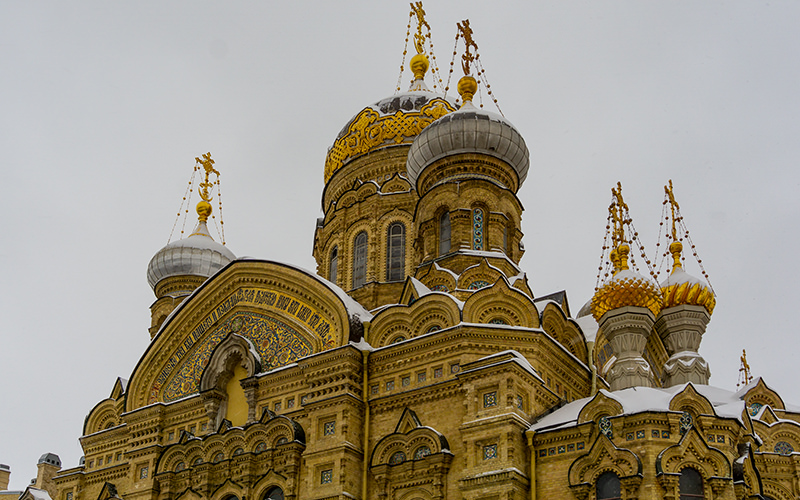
(608, 487)
(334, 267)
(444, 233)
(360, 260)
(691, 484)
(396, 253)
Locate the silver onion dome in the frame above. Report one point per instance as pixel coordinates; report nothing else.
(468, 130)
(197, 255)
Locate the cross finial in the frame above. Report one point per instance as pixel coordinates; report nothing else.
(468, 57)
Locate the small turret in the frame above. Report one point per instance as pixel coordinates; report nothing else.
(626, 305)
(688, 305)
(183, 265)
(467, 167)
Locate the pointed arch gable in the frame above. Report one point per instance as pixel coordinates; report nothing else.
(762, 394)
(287, 313)
(693, 451)
(691, 401)
(601, 405)
(500, 301)
(604, 456)
(479, 276)
(408, 437)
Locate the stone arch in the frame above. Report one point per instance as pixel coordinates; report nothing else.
(270, 480)
(227, 489)
(384, 223)
(101, 417)
(772, 433)
(776, 490)
(396, 184)
(438, 279)
(409, 321)
(565, 331)
(601, 405)
(502, 302)
(474, 277)
(602, 457)
(366, 190)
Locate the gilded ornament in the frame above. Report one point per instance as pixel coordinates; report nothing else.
(369, 131)
(629, 289)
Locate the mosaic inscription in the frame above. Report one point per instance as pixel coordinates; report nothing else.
(277, 343)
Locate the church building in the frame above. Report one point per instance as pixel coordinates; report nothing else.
(417, 363)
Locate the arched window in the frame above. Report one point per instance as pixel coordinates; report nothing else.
(477, 229)
(444, 233)
(691, 484)
(360, 260)
(274, 494)
(334, 265)
(396, 252)
(608, 487)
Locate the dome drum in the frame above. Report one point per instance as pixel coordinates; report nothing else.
(467, 165)
(469, 130)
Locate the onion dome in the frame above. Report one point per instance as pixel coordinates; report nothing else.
(196, 255)
(681, 288)
(469, 130)
(626, 288)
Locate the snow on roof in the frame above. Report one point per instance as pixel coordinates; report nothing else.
(517, 358)
(419, 287)
(362, 345)
(678, 276)
(588, 326)
(444, 269)
(726, 404)
(37, 493)
(493, 254)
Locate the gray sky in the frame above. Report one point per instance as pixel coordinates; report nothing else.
(105, 105)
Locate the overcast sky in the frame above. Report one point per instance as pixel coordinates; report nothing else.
(104, 105)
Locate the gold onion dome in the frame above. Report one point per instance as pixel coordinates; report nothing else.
(681, 288)
(196, 255)
(626, 288)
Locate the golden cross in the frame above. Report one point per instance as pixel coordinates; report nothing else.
(419, 39)
(208, 165)
(673, 206)
(618, 209)
(467, 58)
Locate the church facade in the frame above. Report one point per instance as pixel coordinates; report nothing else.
(417, 364)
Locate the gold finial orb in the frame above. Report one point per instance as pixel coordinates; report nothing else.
(675, 248)
(419, 66)
(622, 254)
(467, 86)
(203, 210)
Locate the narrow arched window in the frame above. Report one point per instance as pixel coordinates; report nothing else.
(691, 484)
(396, 252)
(444, 233)
(334, 265)
(360, 260)
(274, 494)
(608, 487)
(477, 229)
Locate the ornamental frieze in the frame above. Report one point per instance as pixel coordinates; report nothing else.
(370, 130)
